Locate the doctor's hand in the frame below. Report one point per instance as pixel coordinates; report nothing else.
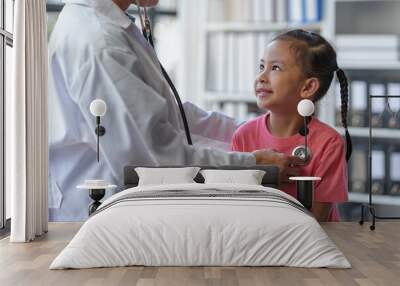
(288, 165)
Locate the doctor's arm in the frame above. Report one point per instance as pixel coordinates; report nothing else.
(140, 126)
(210, 124)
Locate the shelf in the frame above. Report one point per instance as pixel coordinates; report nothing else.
(376, 199)
(351, 1)
(259, 27)
(230, 97)
(369, 65)
(376, 132)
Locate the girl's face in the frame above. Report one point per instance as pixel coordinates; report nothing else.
(280, 81)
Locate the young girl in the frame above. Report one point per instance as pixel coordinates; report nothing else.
(296, 65)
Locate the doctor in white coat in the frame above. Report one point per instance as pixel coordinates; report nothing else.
(95, 51)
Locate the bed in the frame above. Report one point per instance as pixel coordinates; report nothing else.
(201, 224)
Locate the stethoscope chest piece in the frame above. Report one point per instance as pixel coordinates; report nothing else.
(300, 151)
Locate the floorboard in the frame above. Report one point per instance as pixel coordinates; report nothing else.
(374, 255)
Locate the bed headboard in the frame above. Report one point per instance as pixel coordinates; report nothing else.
(270, 179)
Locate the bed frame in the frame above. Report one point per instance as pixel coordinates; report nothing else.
(270, 179)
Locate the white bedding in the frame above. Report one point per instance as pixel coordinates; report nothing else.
(224, 231)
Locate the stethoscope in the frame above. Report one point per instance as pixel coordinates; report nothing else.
(147, 33)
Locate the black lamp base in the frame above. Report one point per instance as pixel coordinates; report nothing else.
(96, 195)
(305, 193)
(100, 130)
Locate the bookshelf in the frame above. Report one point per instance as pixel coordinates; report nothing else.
(235, 33)
(358, 19)
(377, 133)
(258, 27)
(220, 21)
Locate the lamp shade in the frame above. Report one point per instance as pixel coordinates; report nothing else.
(305, 107)
(98, 107)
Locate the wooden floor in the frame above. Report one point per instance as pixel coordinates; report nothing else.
(374, 255)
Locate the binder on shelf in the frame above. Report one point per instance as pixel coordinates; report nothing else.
(220, 63)
(231, 62)
(282, 11)
(378, 169)
(252, 63)
(215, 62)
(215, 106)
(377, 104)
(229, 109)
(242, 111)
(296, 14)
(265, 11)
(215, 10)
(358, 168)
(394, 105)
(313, 10)
(358, 104)
(237, 11)
(247, 62)
(394, 165)
(262, 42)
(253, 110)
(241, 61)
(258, 9)
(305, 11)
(246, 11)
(210, 85)
(367, 41)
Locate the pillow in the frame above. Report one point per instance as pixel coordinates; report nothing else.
(163, 176)
(248, 177)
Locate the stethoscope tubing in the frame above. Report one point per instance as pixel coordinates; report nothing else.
(147, 33)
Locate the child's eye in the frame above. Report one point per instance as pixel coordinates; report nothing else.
(261, 67)
(276, 68)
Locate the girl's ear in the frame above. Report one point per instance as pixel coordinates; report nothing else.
(310, 87)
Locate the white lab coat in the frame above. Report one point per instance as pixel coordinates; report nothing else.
(96, 51)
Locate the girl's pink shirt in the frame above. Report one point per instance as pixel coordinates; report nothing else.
(328, 157)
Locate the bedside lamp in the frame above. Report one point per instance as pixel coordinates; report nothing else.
(98, 108)
(97, 188)
(305, 185)
(305, 108)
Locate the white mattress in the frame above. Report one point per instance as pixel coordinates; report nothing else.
(192, 231)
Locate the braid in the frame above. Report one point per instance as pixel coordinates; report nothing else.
(344, 95)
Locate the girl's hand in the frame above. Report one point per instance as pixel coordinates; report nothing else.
(288, 165)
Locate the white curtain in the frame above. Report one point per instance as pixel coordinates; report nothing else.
(26, 117)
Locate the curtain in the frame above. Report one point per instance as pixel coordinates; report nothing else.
(26, 117)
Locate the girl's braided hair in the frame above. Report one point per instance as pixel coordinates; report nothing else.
(317, 58)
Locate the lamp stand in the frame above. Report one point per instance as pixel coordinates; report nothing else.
(100, 131)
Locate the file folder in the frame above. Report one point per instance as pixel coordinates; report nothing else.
(358, 104)
(378, 169)
(358, 168)
(394, 166)
(377, 104)
(393, 89)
